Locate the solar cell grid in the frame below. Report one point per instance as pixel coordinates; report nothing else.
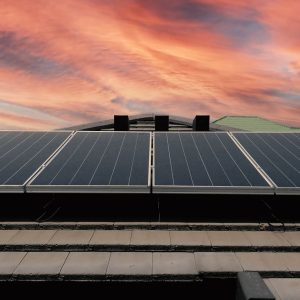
(203, 162)
(278, 154)
(98, 162)
(22, 153)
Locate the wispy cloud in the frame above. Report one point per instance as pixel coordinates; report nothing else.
(67, 62)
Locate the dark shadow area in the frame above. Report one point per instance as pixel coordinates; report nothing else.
(78, 207)
(207, 289)
(229, 208)
(149, 208)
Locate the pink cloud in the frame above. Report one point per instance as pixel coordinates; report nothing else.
(71, 59)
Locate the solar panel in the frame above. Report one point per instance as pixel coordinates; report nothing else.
(22, 153)
(194, 162)
(98, 162)
(278, 154)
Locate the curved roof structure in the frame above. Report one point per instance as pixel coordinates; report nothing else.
(146, 122)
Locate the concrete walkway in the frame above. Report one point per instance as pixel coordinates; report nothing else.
(284, 289)
(148, 240)
(144, 265)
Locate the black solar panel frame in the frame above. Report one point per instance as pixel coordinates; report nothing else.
(21, 188)
(279, 190)
(213, 189)
(94, 189)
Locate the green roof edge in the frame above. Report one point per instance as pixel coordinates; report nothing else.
(257, 117)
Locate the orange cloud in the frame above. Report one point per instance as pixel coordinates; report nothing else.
(79, 61)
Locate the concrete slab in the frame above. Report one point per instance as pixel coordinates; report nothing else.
(217, 262)
(18, 223)
(9, 261)
(111, 237)
(189, 238)
(293, 237)
(95, 225)
(272, 289)
(150, 237)
(286, 288)
(6, 235)
(265, 238)
(132, 224)
(36, 237)
(41, 263)
(71, 237)
(86, 263)
(292, 261)
(228, 238)
(166, 263)
(261, 261)
(254, 224)
(60, 224)
(250, 286)
(130, 263)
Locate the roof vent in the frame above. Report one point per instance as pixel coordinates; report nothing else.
(161, 123)
(121, 122)
(201, 123)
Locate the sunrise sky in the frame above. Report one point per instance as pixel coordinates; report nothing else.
(66, 62)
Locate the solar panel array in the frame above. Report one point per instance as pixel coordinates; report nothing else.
(197, 162)
(98, 162)
(183, 162)
(278, 154)
(22, 153)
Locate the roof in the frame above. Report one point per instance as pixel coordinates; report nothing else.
(145, 122)
(141, 122)
(253, 123)
(156, 237)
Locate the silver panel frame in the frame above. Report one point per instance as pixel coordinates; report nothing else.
(89, 189)
(93, 189)
(20, 189)
(278, 190)
(197, 189)
(231, 190)
(287, 190)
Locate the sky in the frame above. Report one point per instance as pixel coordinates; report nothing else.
(69, 62)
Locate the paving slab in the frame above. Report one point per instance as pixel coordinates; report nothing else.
(71, 237)
(132, 224)
(41, 263)
(6, 235)
(286, 288)
(242, 224)
(150, 237)
(272, 289)
(292, 260)
(18, 223)
(266, 238)
(293, 237)
(217, 262)
(95, 225)
(166, 263)
(59, 224)
(86, 263)
(88, 223)
(9, 261)
(228, 238)
(261, 261)
(189, 238)
(111, 237)
(27, 237)
(130, 263)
